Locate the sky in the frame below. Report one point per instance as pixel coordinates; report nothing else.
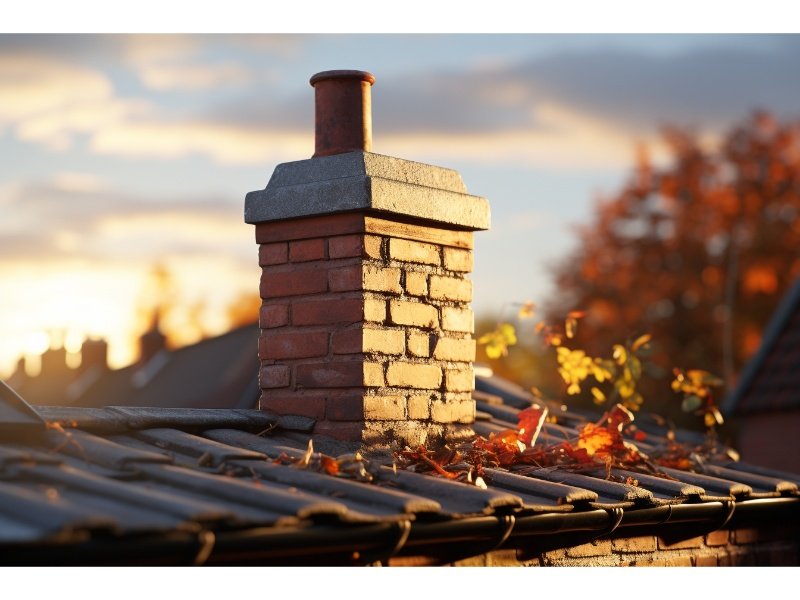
(123, 152)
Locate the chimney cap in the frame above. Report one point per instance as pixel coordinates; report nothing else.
(342, 74)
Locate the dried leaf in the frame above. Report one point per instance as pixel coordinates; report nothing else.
(530, 422)
(641, 341)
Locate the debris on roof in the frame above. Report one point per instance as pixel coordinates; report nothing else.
(130, 485)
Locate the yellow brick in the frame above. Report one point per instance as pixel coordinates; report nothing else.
(450, 288)
(454, 349)
(381, 279)
(372, 246)
(411, 375)
(374, 309)
(384, 408)
(416, 283)
(413, 313)
(384, 341)
(417, 252)
(458, 260)
(419, 344)
(373, 374)
(458, 319)
(459, 380)
(419, 407)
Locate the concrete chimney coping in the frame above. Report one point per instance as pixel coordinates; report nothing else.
(365, 181)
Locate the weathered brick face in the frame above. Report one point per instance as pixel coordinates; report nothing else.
(366, 326)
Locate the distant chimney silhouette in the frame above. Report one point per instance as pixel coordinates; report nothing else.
(94, 353)
(151, 342)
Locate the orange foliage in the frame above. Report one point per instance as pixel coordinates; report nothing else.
(694, 252)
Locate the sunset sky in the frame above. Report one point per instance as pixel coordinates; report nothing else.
(123, 152)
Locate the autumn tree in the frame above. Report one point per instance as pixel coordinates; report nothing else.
(698, 252)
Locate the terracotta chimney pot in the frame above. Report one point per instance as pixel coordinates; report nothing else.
(343, 112)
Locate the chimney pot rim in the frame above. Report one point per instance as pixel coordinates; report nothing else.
(342, 74)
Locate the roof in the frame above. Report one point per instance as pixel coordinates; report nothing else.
(771, 380)
(133, 485)
(218, 372)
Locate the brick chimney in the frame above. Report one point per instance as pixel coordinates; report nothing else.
(365, 320)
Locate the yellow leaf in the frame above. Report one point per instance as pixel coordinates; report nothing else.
(527, 310)
(570, 325)
(620, 354)
(599, 396)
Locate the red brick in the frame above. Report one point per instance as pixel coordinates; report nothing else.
(746, 536)
(327, 311)
(454, 349)
(417, 314)
(450, 288)
(458, 319)
(330, 375)
(384, 408)
(346, 431)
(273, 254)
(273, 315)
(306, 250)
(345, 408)
(411, 375)
(347, 341)
(695, 542)
(717, 538)
(380, 279)
(345, 246)
(309, 227)
(416, 252)
(457, 260)
(416, 283)
(293, 283)
(595, 548)
(305, 406)
(292, 345)
(643, 543)
(273, 376)
(705, 561)
(678, 561)
(345, 279)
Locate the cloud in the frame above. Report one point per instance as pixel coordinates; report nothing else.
(77, 217)
(31, 86)
(180, 62)
(192, 77)
(224, 143)
(585, 107)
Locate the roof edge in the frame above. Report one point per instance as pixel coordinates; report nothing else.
(772, 332)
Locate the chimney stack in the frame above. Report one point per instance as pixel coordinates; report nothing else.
(365, 321)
